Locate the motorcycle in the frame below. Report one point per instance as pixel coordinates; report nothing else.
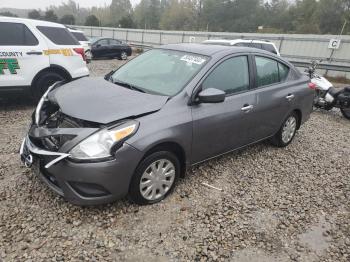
(326, 95)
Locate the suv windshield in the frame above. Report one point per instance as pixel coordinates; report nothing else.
(158, 71)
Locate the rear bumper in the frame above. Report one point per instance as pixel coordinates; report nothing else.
(84, 183)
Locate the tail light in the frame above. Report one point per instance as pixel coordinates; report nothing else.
(312, 86)
(81, 52)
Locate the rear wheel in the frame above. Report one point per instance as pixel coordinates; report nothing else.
(44, 81)
(345, 112)
(155, 178)
(287, 131)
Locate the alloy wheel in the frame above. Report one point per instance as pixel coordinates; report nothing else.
(124, 56)
(289, 129)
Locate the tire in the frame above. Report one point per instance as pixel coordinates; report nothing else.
(287, 131)
(44, 82)
(123, 55)
(346, 112)
(149, 192)
(88, 55)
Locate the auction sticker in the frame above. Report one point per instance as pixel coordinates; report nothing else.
(193, 59)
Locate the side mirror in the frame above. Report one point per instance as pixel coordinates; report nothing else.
(98, 45)
(211, 95)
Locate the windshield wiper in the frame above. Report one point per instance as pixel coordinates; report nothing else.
(129, 86)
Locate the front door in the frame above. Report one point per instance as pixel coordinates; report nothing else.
(221, 127)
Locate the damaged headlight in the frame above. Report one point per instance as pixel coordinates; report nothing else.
(100, 144)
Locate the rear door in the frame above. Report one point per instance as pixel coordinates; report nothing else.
(275, 95)
(219, 128)
(21, 55)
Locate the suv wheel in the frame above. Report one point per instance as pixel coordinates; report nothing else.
(44, 82)
(155, 178)
(287, 131)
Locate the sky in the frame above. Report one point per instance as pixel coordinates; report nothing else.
(35, 4)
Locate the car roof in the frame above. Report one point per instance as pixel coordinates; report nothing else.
(235, 41)
(210, 50)
(73, 30)
(31, 21)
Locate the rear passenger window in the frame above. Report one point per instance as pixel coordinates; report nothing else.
(58, 35)
(16, 34)
(270, 71)
(283, 71)
(231, 76)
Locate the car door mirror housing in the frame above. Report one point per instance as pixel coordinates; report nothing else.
(211, 95)
(97, 45)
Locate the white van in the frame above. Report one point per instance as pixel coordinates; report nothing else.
(35, 54)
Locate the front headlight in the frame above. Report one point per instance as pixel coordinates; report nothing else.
(99, 145)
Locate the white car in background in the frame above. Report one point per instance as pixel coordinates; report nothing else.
(35, 54)
(260, 44)
(83, 40)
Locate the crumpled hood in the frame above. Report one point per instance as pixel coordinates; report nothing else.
(97, 100)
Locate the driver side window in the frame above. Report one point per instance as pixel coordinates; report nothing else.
(231, 76)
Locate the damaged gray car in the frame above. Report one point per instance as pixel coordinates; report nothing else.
(134, 132)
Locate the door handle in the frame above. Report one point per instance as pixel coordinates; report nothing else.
(34, 53)
(290, 97)
(247, 108)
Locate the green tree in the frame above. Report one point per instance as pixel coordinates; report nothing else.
(120, 10)
(8, 14)
(178, 15)
(34, 14)
(92, 20)
(50, 16)
(127, 22)
(67, 20)
(147, 14)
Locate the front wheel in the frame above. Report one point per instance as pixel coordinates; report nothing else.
(88, 55)
(287, 131)
(346, 112)
(154, 178)
(123, 56)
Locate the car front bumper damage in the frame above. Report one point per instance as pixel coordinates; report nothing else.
(80, 183)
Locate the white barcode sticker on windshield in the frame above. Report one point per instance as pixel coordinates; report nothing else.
(193, 59)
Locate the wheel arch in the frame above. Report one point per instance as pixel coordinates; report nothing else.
(172, 147)
(300, 115)
(53, 68)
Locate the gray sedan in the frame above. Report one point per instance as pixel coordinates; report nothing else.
(136, 131)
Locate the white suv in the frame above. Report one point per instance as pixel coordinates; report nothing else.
(260, 44)
(35, 54)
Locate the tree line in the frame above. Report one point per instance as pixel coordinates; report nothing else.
(274, 16)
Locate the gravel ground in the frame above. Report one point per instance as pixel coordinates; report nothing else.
(276, 205)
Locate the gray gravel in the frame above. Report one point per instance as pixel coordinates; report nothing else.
(288, 204)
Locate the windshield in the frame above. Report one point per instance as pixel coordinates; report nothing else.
(158, 71)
